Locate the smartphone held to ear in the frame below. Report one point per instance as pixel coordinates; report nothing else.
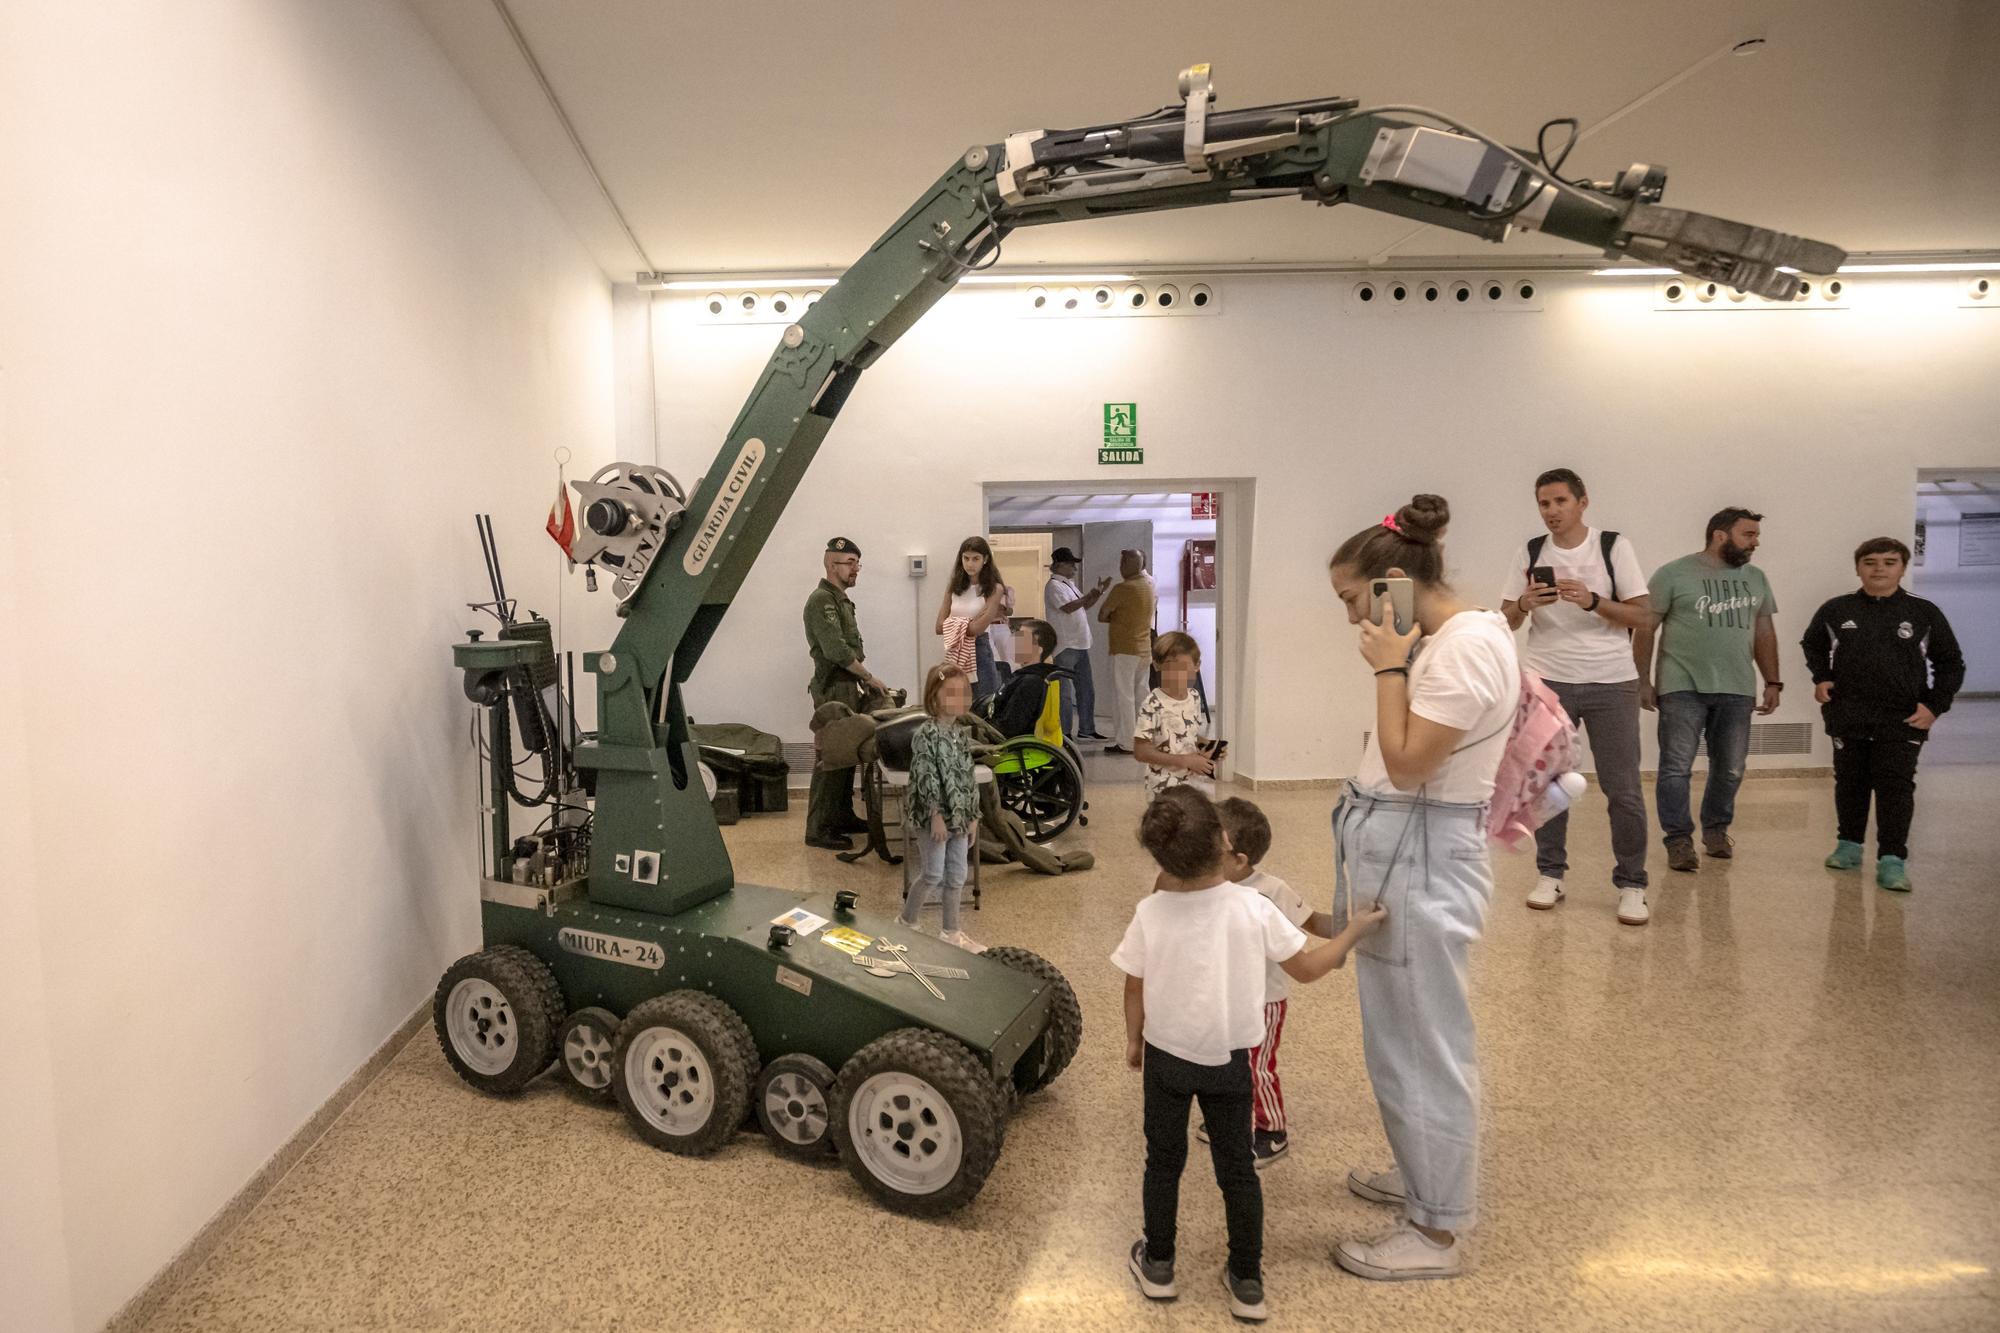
(1399, 596)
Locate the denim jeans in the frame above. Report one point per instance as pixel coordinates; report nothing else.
(1427, 862)
(938, 863)
(1079, 696)
(985, 671)
(1686, 718)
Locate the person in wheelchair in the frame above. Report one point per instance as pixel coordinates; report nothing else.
(1018, 706)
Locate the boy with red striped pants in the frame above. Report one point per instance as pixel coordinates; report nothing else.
(1249, 835)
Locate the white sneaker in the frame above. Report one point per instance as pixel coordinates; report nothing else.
(1378, 1186)
(1402, 1255)
(1548, 892)
(1632, 909)
(963, 941)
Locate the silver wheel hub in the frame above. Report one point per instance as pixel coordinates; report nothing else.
(670, 1080)
(481, 1026)
(797, 1108)
(586, 1054)
(905, 1132)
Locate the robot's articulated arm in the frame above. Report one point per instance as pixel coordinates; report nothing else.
(681, 561)
(1406, 160)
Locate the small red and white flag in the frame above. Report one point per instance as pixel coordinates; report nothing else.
(562, 519)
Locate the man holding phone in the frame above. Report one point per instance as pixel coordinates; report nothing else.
(1583, 593)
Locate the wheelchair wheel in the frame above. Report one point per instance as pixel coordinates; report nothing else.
(1040, 784)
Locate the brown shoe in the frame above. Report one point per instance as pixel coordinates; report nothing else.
(1718, 845)
(1680, 854)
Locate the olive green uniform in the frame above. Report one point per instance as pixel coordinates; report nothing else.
(834, 640)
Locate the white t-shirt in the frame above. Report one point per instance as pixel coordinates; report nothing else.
(1276, 984)
(1465, 676)
(1072, 627)
(1566, 642)
(1174, 726)
(1202, 956)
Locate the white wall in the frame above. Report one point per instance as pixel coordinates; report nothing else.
(280, 311)
(1818, 418)
(1969, 595)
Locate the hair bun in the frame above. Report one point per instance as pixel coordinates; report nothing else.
(1424, 518)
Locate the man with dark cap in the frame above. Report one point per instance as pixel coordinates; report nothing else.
(1067, 604)
(839, 675)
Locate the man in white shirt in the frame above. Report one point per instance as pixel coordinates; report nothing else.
(1583, 592)
(1067, 607)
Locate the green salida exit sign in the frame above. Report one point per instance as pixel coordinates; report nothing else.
(1121, 435)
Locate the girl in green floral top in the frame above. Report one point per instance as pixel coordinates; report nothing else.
(943, 802)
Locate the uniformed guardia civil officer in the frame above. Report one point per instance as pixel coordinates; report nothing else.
(839, 674)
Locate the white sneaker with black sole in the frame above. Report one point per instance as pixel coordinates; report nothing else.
(1548, 891)
(1378, 1186)
(1402, 1255)
(1632, 909)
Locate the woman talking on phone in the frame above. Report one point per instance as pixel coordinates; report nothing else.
(1409, 832)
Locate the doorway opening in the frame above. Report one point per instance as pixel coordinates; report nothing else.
(1955, 562)
(1179, 528)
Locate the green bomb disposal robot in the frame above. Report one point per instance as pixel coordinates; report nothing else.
(618, 942)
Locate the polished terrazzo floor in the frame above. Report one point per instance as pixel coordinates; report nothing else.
(1777, 1107)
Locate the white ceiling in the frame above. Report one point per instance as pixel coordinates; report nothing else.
(758, 135)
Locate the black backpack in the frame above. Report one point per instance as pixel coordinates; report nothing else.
(1605, 541)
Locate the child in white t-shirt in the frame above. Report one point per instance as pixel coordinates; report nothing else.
(1194, 959)
(1249, 835)
(1169, 738)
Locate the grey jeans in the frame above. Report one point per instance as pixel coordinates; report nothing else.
(1426, 861)
(1609, 714)
(940, 865)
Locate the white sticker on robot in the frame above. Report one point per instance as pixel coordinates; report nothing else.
(797, 981)
(612, 948)
(800, 920)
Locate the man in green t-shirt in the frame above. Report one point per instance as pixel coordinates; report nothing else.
(1712, 618)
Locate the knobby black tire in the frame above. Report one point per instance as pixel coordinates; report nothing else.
(957, 1074)
(1057, 1045)
(533, 996)
(723, 1040)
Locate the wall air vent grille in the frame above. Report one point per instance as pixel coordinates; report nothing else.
(1781, 738)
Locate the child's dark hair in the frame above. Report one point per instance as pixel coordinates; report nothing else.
(1175, 644)
(1182, 831)
(1882, 546)
(1408, 539)
(1045, 636)
(1249, 832)
(935, 682)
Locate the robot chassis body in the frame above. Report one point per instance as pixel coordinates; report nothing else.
(619, 944)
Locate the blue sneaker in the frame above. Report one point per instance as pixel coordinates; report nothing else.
(1846, 856)
(1891, 873)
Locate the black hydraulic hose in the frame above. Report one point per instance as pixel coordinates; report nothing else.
(503, 745)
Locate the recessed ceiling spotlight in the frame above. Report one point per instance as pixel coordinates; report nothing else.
(1749, 46)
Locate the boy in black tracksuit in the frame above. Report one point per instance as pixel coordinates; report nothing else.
(1885, 665)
